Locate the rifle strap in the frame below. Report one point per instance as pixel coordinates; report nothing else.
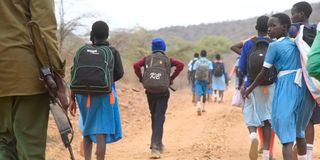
(39, 44)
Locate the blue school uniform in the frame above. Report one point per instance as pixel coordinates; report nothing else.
(257, 108)
(219, 83)
(292, 102)
(201, 86)
(101, 117)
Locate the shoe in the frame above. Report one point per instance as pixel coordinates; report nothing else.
(253, 154)
(155, 154)
(198, 111)
(294, 152)
(198, 108)
(203, 107)
(161, 149)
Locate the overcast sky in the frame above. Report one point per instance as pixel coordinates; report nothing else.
(152, 14)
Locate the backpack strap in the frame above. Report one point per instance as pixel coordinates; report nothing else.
(192, 64)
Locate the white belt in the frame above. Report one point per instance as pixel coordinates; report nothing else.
(297, 79)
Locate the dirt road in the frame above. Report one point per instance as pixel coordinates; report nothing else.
(219, 133)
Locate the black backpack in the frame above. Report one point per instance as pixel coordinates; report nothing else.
(255, 59)
(156, 76)
(92, 72)
(218, 69)
(309, 34)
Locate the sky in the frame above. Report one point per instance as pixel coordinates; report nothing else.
(152, 14)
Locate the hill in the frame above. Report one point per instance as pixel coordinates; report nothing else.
(234, 30)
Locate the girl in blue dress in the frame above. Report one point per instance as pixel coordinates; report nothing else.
(292, 104)
(100, 114)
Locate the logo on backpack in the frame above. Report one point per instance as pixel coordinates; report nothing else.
(218, 69)
(202, 71)
(255, 59)
(156, 76)
(92, 72)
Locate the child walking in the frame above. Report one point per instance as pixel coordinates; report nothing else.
(292, 103)
(99, 109)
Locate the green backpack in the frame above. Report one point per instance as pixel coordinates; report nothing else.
(202, 71)
(92, 72)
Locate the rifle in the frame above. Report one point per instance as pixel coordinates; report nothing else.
(55, 85)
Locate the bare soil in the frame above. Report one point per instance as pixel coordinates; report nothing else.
(219, 134)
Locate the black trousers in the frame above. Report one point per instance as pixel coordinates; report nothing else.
(158, 104)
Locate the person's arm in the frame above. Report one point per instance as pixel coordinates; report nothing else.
(211, 68)
(42, 12)
(263, 75)
(179, 67)
(237, 47)
(243, 57)
(118, 68)
(225, 74)
(137, 68)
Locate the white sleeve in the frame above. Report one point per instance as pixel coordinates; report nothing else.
(267, 65)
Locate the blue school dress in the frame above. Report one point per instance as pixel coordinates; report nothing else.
(292, 104)
(101, 117)
(258, 107)
(219, 83)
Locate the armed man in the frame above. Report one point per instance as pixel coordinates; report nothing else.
(24, 100)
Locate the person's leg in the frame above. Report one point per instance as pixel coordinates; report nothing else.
(199, 92)
(215, 96)
(253, 153)
(7, 140)
(259, 130)
(304, 113)
(310, 139)
(193, 97)
(87, 143)
(30, 124)
(101, 146)
(152, 107)
(315, 119)
(301, 147)
(160, 111)
(271, 142)
(266, 130)
(221, 95)
(287, 151)
(205, 92)
(158, 106)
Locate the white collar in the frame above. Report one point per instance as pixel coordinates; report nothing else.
(281, 39)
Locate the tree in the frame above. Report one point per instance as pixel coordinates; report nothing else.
(66, 27)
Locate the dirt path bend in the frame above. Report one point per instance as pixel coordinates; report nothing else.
(220, 133)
